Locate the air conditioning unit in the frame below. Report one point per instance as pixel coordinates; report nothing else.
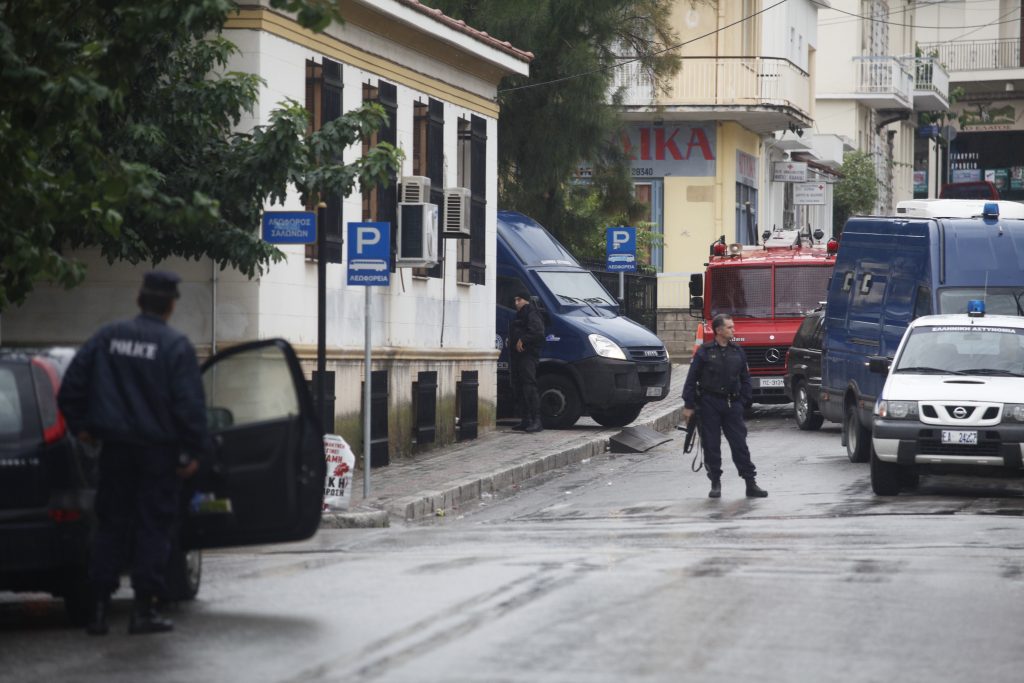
(417, 235)
(456, 212)
(415, 189)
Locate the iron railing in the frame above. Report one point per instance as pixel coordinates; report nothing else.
(884, 75)
(977, 55)
(929, 74)
(641, 302)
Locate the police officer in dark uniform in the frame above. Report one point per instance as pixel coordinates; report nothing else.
(718, 386)
(525, 338)
(135, 388)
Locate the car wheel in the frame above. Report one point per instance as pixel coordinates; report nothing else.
(184, 573)
(804, 409)
(858, 439)
(560, 404)
(616, 417)
(885, 477)
(909, 478)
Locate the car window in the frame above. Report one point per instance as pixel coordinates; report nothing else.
(818, 329)
(970, 349)
(249, 387)
(806, 331)
(11, 422)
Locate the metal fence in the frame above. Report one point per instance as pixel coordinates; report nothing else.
(641, 300)
(977, 55)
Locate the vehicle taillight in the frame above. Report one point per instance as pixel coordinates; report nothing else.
(832, 246)
(61, 515)
(720, 249)
(54, 426)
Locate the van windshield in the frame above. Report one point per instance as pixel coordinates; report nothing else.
(746, 292)
(576, 288)
(998, 300)
(963, 349)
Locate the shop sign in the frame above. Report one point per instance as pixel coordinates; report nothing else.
(921, 182)
(809, 193)
(789, 172)
(990, 116)
(667, 150)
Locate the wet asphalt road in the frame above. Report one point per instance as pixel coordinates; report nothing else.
(619, 569)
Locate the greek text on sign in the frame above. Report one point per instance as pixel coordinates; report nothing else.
(621, 249)
(656, 151)
(289, 227)
(369, 254)
(809, 193)
(789, 172)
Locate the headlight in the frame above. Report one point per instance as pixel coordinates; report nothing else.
(604, 346)
(1013, 412)
(897, 410)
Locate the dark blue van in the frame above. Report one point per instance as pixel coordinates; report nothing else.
(594, 360)
(934, 257)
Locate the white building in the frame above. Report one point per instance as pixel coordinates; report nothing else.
(433, 331)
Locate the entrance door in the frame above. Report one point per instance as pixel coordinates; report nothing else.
(269, 458)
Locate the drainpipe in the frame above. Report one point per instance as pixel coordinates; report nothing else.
(213, 309)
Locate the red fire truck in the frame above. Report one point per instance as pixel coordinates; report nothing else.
(767, 289)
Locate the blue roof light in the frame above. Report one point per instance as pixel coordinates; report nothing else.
(976, 308)
(991, 210)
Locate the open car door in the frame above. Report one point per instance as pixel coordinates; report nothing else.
(266, 478)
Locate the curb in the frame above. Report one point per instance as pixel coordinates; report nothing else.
(455, 494)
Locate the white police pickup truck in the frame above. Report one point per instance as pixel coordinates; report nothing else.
(953, 401)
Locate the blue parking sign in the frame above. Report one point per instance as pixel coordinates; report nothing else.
(621, 249)
(369, 254)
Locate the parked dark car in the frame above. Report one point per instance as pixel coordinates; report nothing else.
(267, 471)
(803, 371)
(47, 483)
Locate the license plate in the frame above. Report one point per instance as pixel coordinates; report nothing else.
(654, 391)
(968, 438)
(770, 382)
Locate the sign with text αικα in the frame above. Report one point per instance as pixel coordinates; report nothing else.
(369, 254)
(621, 249)
(289, 227)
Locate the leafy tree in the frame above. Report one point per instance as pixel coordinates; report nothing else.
(118, 131)
(546, 130)
(857, 189)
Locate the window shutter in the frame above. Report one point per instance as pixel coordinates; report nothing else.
(435, 171)
(387, 97)
(478, 204)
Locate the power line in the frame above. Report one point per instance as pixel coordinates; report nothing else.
(637, 59)
(845, 20)
(991, 23)
(897, 23)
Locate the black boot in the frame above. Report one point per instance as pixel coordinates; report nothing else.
(521, 427)
(97, 625)
(716, 489)
(145, 618)
(755, 491)
(535, 426)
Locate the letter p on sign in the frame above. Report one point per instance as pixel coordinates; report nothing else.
(620, 237)
(366, 236)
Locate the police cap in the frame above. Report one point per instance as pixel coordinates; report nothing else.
(161, 283)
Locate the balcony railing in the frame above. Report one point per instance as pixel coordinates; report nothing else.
(725, 82)
(931, 83)
(977, 55)
(886, 80)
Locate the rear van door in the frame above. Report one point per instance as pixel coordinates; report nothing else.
(268, 467)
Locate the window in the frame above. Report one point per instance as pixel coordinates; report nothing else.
(923, 302)
(323, 101)
(473, 174)
(381, 203)
(506, 290)
(428, 160)
(799, 291)
(742, 292)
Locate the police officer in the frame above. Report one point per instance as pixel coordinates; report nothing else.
(134, 387)
(525, 337)
(718, 384)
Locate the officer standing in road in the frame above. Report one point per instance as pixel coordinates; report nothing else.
(135, 388)
(718, 386)
(525, 337)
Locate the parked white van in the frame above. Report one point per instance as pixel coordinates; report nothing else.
(953, 400)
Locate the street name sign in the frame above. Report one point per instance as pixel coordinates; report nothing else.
(289, 227)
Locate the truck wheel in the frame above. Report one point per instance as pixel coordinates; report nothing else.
(885, 477)
(858, 439)
(616, 417)
(184, 572)
(804, 407)
(560, 404)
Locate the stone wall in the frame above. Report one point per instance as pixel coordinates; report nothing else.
(677, 329)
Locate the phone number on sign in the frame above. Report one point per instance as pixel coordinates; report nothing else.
(644, 172)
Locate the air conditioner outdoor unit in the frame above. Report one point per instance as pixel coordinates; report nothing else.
(456, 212)
(417, 235)
(415, 189)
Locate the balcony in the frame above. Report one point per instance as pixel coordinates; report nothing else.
(884, 82)
(931, 84)
(977, 55)
(763, 94)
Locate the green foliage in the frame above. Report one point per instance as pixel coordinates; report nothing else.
(857, 189)
(118, 131)
(546, 132)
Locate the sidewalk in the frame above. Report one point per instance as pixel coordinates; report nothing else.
(442, 480)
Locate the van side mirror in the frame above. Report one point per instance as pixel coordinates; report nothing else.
(697, 306)
(879, 364)
(696, 285)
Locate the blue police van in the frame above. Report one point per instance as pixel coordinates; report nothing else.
(594, 360)
(932, 258)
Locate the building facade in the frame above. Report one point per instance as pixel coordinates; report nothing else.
(433, 328)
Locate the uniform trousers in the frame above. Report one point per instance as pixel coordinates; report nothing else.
(717, 416)
(523, 371)
(137, 502)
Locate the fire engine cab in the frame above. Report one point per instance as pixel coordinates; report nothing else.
(767, 289)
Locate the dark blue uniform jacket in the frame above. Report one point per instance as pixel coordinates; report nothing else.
(720, 371)
(137, 381)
